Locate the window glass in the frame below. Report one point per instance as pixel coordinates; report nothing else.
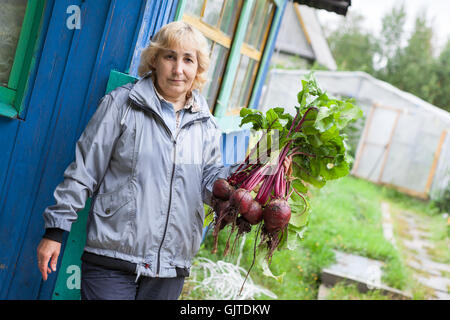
(12, 13)
(194, 7)
(229, 16)
(212, 12)
(260, 18)
(268, 15)
(242, 86)
(219, 56)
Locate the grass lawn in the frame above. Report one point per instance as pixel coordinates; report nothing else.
(346, 215)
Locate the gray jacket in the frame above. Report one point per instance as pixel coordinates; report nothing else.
(147, 186)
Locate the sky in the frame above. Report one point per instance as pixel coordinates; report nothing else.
(437, 13)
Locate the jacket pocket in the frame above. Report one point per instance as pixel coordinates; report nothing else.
(110, 224)
(108, 204)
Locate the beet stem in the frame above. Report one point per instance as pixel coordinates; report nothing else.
(253, 150)
(254, 258)
(304, 118)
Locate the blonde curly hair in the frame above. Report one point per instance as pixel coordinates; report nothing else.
(168, 37)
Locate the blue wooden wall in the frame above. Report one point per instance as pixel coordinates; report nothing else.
(69, 78)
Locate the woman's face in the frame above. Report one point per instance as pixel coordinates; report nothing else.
(175, 69)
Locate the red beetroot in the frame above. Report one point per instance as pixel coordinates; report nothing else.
(241, 199)
(220, 206)
(222, 189)
(254, 214)
(276, 215)
(223, 213)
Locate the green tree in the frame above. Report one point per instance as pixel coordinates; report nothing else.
(409, 63)
(392, 35)
(412, 68)
(442, 72)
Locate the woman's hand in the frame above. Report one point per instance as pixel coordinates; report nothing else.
(287, 164)
(47, 249)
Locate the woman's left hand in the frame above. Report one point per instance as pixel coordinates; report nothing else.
(287, 164)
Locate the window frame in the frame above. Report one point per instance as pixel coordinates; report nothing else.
(253, 54)
(11, 97)
(237, 47)
(213, 33)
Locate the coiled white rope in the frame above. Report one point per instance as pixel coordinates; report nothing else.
(223, 280)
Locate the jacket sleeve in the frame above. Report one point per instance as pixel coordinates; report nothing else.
(82, 177)
(213, 167)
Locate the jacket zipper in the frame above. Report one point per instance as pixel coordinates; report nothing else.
(168, 210)
(158, 263)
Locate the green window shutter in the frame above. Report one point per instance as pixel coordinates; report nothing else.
(11, 95)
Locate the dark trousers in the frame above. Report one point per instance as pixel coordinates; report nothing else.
(100, 283)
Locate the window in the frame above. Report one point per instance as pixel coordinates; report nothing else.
(19, 22)
(217, 20)
(250, 55)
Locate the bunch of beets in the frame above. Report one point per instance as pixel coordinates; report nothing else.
(313, 139)
(234, 204)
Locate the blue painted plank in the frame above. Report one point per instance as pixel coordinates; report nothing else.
(36, 56)
(148, 19)
(21, 175)
(136, 35)
(173, 10)
(165, 13)
(160, 21)
(152, 22)
(156, 14)
(116, 45)
(8, 128)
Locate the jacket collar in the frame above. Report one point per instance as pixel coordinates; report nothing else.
(144, 94)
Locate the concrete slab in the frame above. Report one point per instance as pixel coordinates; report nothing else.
(420, 268)
(364, 272)
(418, 244)
(357, 267)
(436, 283)
(429, 265)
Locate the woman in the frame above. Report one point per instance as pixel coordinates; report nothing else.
(148, 158)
